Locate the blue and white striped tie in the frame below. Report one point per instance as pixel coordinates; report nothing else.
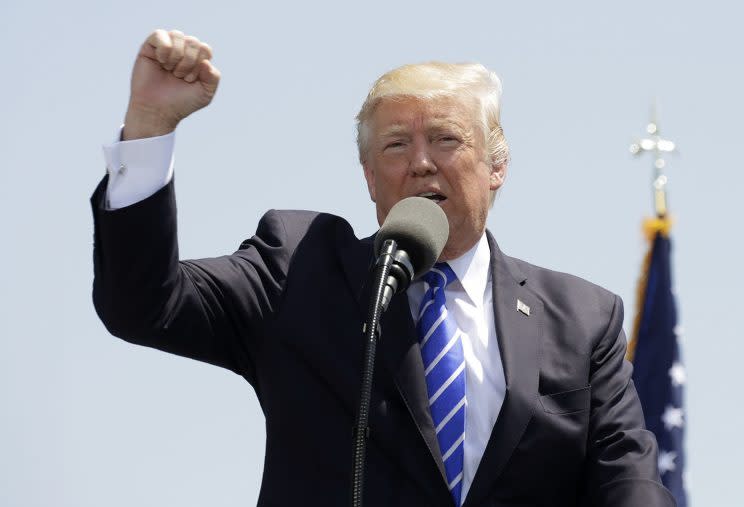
(444, 367)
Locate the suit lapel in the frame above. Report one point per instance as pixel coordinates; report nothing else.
(518, 336)
(398, 348)
(399, 360)
(402, 356)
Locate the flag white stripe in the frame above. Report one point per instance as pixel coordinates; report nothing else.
(446, 349)
(454, 375)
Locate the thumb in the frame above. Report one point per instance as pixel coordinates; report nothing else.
(148, 51)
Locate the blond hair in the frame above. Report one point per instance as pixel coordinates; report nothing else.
(436, 79)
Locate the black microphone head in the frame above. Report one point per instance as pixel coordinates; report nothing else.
(420, 228)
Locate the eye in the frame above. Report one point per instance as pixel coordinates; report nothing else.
(448, 139)
(392, 145)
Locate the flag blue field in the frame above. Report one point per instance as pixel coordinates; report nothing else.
(659, 374)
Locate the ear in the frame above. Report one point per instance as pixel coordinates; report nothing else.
(498, 175)
(369, 175)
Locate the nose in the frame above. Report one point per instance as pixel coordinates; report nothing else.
(421, 162)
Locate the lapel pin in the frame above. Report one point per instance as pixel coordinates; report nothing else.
(523, 307)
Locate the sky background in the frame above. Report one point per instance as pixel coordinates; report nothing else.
(89, 420)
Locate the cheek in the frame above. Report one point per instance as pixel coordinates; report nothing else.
(369, 178)
(475, 188)
(390, 178)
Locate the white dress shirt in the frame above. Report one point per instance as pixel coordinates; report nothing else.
(137, 169)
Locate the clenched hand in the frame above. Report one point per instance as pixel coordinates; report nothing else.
(172, 78)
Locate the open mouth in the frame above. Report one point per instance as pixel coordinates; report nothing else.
(433, 196)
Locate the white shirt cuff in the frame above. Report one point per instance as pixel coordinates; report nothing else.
(138, 168)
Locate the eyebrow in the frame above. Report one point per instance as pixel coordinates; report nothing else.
(438, 124)
(434, 125)
(394, 131)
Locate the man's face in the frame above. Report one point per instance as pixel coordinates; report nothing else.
(432, 148)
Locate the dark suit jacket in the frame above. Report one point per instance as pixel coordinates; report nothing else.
(286, 310)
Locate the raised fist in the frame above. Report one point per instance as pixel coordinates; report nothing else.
(172, 78)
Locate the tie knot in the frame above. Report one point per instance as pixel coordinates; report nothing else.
(440, 275)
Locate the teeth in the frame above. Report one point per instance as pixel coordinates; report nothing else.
(432, 196)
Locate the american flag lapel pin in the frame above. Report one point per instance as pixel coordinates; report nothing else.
(523, 307)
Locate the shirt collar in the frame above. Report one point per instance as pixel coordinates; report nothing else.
(472, 271)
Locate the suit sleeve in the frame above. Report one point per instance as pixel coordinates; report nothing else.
(211, 310)
(622, 454)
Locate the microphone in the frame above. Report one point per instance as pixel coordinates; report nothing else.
(414, 234)
(407, 246)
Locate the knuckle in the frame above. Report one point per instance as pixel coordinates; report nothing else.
(159, 39)
(177, 38)
(165, 42)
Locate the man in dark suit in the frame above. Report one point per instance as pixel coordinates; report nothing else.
(547, 413)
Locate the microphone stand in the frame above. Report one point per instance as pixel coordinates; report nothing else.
(392, 273)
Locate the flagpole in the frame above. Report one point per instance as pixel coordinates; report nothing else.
(658, 371)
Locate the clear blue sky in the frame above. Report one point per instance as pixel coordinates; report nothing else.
(88, 420)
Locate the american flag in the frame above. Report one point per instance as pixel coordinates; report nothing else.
(659, 374)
